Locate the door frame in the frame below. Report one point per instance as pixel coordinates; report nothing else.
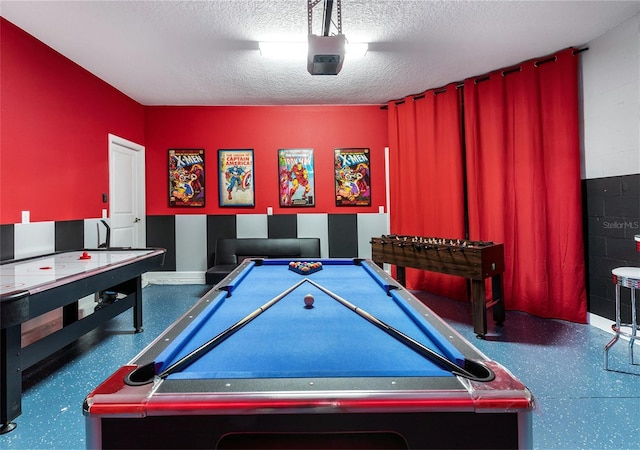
(139, 184)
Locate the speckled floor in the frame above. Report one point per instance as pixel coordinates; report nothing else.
(579, 405)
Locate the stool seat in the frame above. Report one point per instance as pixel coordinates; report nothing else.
(627, 277)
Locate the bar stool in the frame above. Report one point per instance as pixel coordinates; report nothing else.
(628, 277)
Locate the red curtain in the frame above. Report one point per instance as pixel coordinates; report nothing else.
(523, 174)
(426, 177)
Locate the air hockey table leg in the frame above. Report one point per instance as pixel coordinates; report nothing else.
(10, 377)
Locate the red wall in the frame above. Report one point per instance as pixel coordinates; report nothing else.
(55, 119)
(265, 129)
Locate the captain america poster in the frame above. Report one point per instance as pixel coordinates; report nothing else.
(235, 175)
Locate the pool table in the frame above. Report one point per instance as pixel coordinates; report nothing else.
(366, 365)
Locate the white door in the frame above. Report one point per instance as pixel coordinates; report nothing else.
(126, 193)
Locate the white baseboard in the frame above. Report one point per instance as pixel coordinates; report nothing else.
(604, 324)
(174, 277)
(600, 322)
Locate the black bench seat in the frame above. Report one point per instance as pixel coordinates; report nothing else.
(231, 252)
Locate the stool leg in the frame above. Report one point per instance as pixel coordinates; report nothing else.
(618, 321)
(634, 325)
(616, 329)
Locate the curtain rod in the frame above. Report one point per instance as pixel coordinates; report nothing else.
(480, 79)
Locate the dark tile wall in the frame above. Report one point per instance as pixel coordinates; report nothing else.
(219, 227)
(343, 235)
(161, 232)
(69, 235)
(612, 218)
(282, 226)
(6, 242)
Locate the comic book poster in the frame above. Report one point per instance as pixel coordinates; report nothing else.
(295, 169)
(235, 175)
(186, 177)
(353, 186)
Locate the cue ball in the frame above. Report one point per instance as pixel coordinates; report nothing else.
(308, 301)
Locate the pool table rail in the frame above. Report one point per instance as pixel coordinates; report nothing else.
(307, 395)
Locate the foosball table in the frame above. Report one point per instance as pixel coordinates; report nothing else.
(473, 260)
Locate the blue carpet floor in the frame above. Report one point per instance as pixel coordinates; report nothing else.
(579, 405)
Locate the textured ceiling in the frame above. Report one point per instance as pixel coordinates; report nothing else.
(206, 52)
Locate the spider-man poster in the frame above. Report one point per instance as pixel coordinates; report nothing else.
(186, 177)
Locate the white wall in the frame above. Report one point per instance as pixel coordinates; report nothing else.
(611, 102)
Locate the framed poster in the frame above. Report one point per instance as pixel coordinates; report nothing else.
(295, 169)
(186, 177)
(235, 176)
(353, 186)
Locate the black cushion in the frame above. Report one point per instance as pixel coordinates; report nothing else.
(231, 252)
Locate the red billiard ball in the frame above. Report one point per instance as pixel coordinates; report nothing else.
(308, 301)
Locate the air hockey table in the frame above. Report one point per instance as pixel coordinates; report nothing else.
(339, 355)
(34, 286)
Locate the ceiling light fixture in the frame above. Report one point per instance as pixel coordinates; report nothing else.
(275, 49)
(287, 50)
(326, 52)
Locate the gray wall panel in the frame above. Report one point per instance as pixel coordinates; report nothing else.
(95, 232)
(191, 242)
(252, 226)
(315, 226)
(33, 239)
(370, 225)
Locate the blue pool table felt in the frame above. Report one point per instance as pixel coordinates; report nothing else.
(289, 340)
